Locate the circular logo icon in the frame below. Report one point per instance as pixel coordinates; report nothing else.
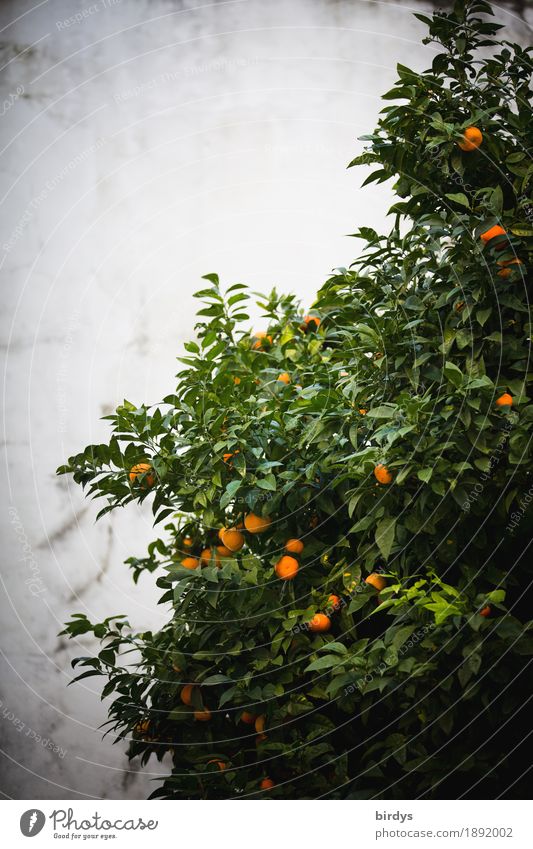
(32, 822)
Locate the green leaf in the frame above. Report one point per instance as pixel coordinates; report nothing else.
(268, 483)
(230, 492)
(325, 662)
(384, 535)
(459, 198)
(453, 373)
(385, 411)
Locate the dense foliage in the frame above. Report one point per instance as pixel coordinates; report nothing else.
(417, 688)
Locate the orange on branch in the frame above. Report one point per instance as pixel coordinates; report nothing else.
(142, 469)
(231, 538)
(309, 321)
(206, 556)
(294, 546)
(505, 400)
(227, 457)
(382, 474)
(260, 723)
(376, 580)
(221, 765)
(256, 524)
(186, 694)
(248, 718)
(492, 233)
(190, 563)
(319, 623)
(284, 377)
(472, 139)
(260, 336)
(286, 568)
(267, 784)
(506, 266)
(202, 715)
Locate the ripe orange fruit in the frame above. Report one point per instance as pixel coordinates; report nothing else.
(286, 568)
(256, 524)
(267, 784)
(362, 411)
(227, 457)
(223, 551)
(485, 611)
(506, 270)
(382, 474)
(259, 337)
(221, 765)
(334, 601)
(309, 321)
(207, 554)
(248, 718)
(231, 538)
(491, 233)
(504, 400)
(377, 581)
(202, 715)
(260, 723)
(284, 377)
(236, 380)
(190, 562)
(142, 469)
(472, 138)
(294, 546)
(186, 694)
(319, 623)
(187, 542)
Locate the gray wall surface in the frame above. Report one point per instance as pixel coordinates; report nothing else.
(145, 143)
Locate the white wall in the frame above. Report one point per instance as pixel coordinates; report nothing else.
(143, 146)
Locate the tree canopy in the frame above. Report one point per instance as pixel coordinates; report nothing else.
(388, 432)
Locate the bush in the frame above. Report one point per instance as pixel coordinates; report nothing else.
(380, 433)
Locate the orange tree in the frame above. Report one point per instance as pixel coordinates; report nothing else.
(345, 495)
